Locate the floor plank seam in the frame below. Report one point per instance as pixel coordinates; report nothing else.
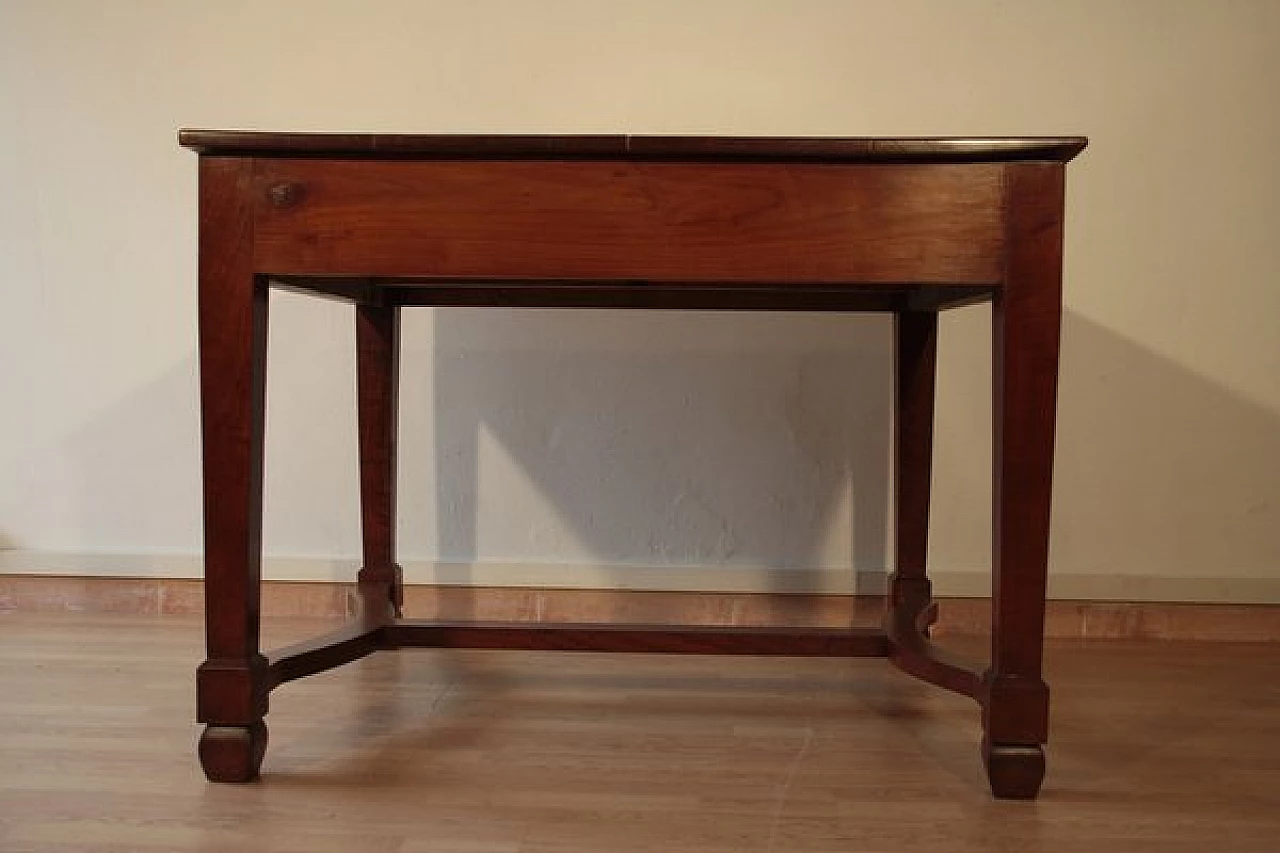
(792, 772)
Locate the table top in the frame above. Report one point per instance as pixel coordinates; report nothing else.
(811, 149)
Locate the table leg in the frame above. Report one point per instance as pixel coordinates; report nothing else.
(377, 371)
(915, 358)
(231, 685)
(1026, 326)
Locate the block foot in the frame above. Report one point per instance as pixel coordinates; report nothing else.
(1015, 771)
(233, 753)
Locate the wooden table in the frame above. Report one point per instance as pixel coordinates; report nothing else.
(907, 226)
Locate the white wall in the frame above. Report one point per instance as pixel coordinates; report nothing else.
(556, 447)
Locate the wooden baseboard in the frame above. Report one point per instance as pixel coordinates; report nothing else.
(281, 599)
(957, 582)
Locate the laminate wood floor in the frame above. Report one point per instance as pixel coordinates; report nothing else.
(1156, 747)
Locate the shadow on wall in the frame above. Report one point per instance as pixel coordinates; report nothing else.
(743, 453)
(642, 438)
(1160, 471)
(658, 438)
(135, 470)
(137, 463)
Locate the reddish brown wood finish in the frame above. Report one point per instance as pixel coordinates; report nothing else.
(359, 638)
(1027, 317)
(906, 626)
(666, 639)
(719, 149)
(915, 358)
(377, 381)
(653, 222)
(585, 294)
(911, 608)
(792, 224)
(231, 684)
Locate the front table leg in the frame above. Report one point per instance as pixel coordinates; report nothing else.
(1026, 319)
(231, 685)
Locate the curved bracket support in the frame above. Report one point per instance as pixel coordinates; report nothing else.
(363, 635)
(910, 650)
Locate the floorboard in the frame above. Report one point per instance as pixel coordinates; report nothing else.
(1156, 747)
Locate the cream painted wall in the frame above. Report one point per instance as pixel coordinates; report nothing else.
(755, 446)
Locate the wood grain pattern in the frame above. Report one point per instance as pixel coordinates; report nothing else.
(231, 684)
(957, 617)
(907, 225)
(915, 366)
(1027, 318)
(233, 338)
(377, 393)
(1158, 746)
(650, 222)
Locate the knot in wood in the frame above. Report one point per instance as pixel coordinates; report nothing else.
(285, 194)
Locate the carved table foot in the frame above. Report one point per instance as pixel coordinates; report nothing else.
(1014, 770)
(233, 753)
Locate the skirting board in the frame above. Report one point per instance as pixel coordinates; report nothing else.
(1110, 586)
(333, 601)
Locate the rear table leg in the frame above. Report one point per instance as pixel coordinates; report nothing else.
(377, 376)
(915, 357)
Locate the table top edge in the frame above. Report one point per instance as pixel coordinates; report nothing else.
(813, 149)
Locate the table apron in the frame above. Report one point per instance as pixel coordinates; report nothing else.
(804, 224)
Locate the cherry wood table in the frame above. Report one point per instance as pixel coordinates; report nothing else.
(906, 226)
